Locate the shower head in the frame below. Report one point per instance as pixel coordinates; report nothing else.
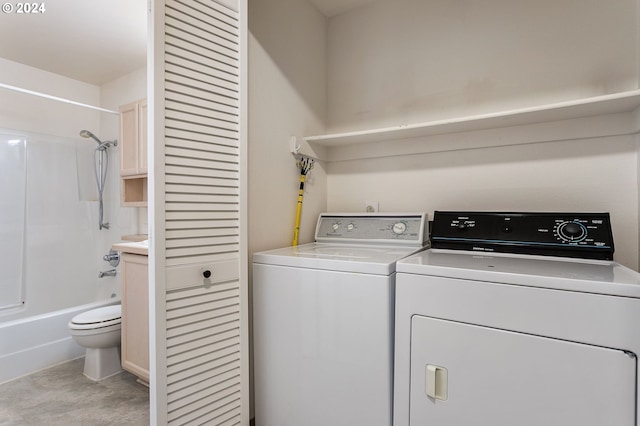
(102, 146)
(87, 134)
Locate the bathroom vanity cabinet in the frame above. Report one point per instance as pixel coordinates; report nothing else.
(135, 315)
(133, 153)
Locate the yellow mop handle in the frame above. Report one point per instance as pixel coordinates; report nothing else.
(296, 230)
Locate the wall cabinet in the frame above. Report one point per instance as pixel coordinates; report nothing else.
(135, 315)
(133, 153)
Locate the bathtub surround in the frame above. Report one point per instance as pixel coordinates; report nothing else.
(13, 162)
(62, 245)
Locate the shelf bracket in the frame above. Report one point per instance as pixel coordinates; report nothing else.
(300, 147)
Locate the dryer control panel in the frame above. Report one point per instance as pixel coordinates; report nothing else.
(583, 235)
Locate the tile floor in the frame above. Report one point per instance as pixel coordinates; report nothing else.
(61, 395)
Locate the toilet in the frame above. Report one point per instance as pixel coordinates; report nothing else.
(98, 330)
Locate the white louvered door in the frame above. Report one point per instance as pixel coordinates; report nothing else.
(199, 336)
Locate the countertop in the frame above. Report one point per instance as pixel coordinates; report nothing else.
(135, 237)
(137, 247)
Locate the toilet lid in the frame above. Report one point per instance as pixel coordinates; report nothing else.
(99, 315)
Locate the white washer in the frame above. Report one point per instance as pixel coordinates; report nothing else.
(323, 322)
(486, 338)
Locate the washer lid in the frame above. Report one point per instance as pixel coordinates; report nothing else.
(360, 258)
(99, 315)
(560, 273)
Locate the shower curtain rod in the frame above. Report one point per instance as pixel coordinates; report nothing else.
(55, 98)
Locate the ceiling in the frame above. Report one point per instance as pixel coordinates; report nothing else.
(88, 40)
(94, 41)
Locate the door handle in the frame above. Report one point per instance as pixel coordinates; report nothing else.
(436, 379)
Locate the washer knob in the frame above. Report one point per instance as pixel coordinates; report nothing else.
(399, 228)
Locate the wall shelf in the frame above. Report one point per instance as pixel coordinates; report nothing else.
(599, 105)
(133, 192)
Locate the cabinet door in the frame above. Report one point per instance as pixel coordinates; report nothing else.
(135, 315)
(129, 127)
(487, 376)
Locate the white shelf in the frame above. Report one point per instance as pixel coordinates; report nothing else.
(599, 105)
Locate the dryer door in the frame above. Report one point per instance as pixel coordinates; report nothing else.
(464, 374)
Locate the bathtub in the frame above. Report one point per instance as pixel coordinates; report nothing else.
(34, 343)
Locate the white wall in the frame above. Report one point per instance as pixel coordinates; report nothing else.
(25, 112)
(287, 97)
(287, 74)
(409, 61)
(637, 37)
(598, 175)
(637, 138)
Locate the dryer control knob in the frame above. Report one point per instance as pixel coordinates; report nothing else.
(572, 231)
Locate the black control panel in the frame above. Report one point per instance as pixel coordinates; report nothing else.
(583, 235)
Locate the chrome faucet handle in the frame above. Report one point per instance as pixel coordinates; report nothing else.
(113, 257)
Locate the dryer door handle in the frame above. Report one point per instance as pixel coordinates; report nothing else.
(436, 379)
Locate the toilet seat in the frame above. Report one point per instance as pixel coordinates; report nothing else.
(97, 318)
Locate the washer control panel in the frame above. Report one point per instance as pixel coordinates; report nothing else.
(586, 235)
(410, 229)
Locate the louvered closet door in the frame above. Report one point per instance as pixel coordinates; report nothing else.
(199, 213)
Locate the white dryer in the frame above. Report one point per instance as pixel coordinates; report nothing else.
(323, 322)
(488, 337)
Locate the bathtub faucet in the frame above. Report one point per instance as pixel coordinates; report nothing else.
(113, 258)
(109, 273)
